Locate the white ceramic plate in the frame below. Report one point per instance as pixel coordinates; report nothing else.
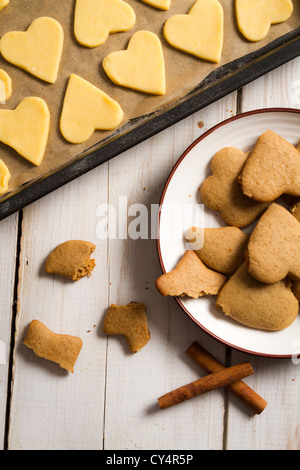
(181, 207)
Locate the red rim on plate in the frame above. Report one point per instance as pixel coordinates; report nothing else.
(196, 142)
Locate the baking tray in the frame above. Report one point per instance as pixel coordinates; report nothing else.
(216, 85)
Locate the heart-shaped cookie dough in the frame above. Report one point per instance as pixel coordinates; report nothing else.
(255, 17)
(273, 250)
(4, 177)
(161, 4)
(26, 128)
(37, 50)
(200, 32)
(222, 192)
(5, 86)
(272, 169)
(266, 307)
(86, 108)
(191, 278)
(96, 19)
(141, 67)
(3, 3)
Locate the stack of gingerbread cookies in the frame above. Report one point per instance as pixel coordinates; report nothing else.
(255, 274)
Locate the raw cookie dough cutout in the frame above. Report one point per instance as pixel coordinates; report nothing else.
(200, 32)
(86, 108)
(255, 17)
(37, 50)
(5, 87)
(140, 67)
(161, 4)
(26, 128)
(3, 3)
(96, 19)
(4, 177)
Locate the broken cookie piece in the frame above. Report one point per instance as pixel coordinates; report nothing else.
(62, 349)
(71, 259)
(129, 321)
(190, 277)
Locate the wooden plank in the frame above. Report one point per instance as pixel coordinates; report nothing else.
(8, 249)
(134, 382)
(277, 428)
(51, 408)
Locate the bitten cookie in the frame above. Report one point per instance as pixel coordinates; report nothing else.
(71, 259)
(190, 278)
(62, 349)
(272, 169)
(273, 250)
(223, 248)
(222, 192)
(262, 306)
(129, 321)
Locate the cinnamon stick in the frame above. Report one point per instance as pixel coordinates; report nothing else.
(239, 388)
(212, 381)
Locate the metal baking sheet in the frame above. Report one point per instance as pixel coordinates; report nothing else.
(222, 81)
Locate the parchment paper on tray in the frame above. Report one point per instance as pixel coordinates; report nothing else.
(183, 71)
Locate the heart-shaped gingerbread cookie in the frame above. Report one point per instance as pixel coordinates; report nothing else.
(26, 128)
(255, 17)
(86, 108)
(161, 4)
(37, 50)
(272, 169)
(140, 67)
(266, 307)
(96, 19)
(200, 32)
(222, 192)
(273, 250)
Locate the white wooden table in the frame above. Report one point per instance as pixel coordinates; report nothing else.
(110, 402)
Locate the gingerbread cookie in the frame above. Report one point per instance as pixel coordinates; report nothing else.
(222, 192)
(190, 278)
(262, 306)
(273, 250)
(295, 210)
(62, 349)
(71, 259)
(223, 247)
(129, 321)
(272, 169)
